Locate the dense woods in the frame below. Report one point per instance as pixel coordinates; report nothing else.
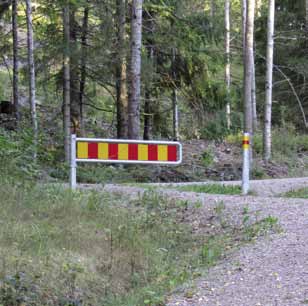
(154, 69)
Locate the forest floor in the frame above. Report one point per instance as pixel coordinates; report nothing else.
(272, 271)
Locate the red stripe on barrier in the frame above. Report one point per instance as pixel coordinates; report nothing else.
(113, 151)
(133, 151)
(93, 150)
(245, 142)
(172, 154)
(153, 152)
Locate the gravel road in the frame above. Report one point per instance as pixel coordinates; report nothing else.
(271, 272)
(266, 188)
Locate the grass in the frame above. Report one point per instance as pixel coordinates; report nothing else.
(212, 189)
(90, 248)
(301, 193)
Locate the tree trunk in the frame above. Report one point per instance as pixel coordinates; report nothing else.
(149, 26)
(15, 59)
(83, 70)
(148, 117)
(175, 107)
(228, 63)
(248, 67)
(32, 75)
(267, 137)
(254, 95)
(306, 1)
(212, 12)
(66, 83)
(244, 19)
(121, 71)
(253, 79)
(74, 74)
(135, 75)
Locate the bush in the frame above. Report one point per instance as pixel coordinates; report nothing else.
(16, 154)
(216, 128)
(285, 142)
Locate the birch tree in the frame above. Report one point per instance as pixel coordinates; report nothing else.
(66, 82)
(15, 58)
(135, 71)
(248, 66)
(244, 18)
(175, 106)
(228, 64)
(32, 74)
(121, 70)
(267, 136)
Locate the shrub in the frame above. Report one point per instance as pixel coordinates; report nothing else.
(216, 128)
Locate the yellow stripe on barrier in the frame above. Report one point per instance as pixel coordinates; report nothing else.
(143, 152)
(82, 150)
(103, 151)
(246, 146)
(162, 153)
(123, 151)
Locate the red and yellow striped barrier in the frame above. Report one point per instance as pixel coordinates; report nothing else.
(127, 152)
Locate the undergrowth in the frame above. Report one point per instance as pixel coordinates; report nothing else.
(90, 248)
(301, 193)
(212, 189)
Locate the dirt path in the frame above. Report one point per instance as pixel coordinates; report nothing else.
(271, 272)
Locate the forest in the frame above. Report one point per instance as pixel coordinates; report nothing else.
(199, 72)
(152, 70)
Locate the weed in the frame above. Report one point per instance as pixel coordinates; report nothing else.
(207, 158)
(212, 189)
(301, 193)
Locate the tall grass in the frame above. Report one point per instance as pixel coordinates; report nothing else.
(60, 248)
(90, 248)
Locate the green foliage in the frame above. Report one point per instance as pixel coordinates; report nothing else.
(252, 230)
(285, 142)
(16, 154)
(216, 127)
(207, 158)
(212, 189)
(301, 193)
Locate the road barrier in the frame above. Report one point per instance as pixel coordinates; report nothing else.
(115, 151)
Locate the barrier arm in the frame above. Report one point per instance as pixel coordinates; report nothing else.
(75, 158)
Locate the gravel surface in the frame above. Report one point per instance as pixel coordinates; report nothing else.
(267, 188)
(273, 271)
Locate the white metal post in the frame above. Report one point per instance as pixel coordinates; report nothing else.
(246, 164)
(73, 163)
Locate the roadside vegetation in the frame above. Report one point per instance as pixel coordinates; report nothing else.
(212, 189)
(93, 248)
(301, 193)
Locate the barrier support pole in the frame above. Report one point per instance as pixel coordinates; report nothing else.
(73, 164)
(246, 164)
